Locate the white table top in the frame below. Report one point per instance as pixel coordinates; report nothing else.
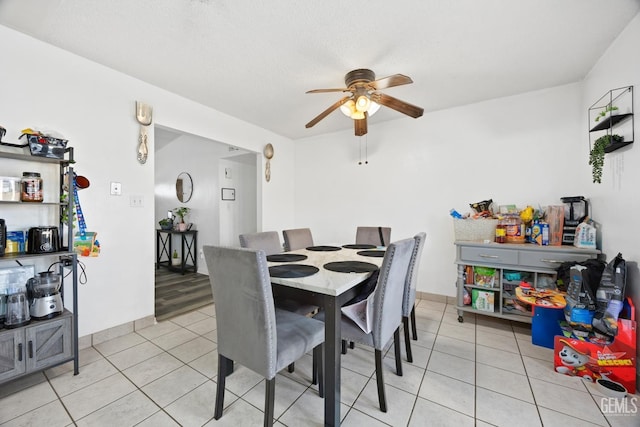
(326, 281)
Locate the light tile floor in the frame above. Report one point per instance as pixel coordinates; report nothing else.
(482, 372)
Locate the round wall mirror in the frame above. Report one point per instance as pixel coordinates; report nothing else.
(184, 187)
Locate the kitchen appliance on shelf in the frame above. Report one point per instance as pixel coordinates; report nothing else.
(576, 209)
(45, 300)
(3, 237)
(43, 240)
(17, 310)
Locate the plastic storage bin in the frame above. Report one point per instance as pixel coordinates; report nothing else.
(9, 189)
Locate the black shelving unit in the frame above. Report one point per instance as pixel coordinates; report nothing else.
(22, 350)
(623, 99)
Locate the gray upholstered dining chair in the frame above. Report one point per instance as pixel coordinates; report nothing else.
(409, 300)
(268, 241)
(266, 341)
(297, 238)
(379, 236)
(387, 311)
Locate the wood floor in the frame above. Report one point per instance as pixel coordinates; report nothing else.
(177, 294)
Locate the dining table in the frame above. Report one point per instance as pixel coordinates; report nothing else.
(327, 276)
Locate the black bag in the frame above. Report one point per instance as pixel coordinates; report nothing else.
(610, 297)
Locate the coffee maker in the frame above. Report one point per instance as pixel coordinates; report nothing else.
(576, 209)
(45, 300)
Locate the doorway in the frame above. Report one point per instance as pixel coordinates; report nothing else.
(212, 165)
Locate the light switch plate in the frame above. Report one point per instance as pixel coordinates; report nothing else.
(227, 173)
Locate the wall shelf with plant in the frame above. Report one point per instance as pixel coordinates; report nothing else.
(611, 126)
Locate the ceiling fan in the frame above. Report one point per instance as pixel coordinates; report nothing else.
(365, 99)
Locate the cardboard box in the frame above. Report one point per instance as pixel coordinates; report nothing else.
(483, 300)
(605, 363)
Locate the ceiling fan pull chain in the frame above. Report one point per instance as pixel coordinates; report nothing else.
(366, 149)
(360, 143)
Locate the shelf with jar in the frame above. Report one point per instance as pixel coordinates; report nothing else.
(40, 335)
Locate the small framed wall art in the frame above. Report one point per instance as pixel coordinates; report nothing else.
(228, 194)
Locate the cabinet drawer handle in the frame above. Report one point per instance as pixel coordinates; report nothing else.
(488, 256)
(551, 261)
(20, 352)
(30, 349)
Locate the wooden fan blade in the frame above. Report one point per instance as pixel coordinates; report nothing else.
(360, 126)
(396, 104)
(344, 89)
(328, 111)
(391, 81)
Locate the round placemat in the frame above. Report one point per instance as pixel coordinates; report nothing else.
(351, 267)
(377, 254)
(287, 271)
(323, 248)
(359, 246)
(286, 257)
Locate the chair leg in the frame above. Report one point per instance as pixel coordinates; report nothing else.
(314, 368)
(318, 368)
(291, 368)
(223, 370)
(407, 341)
(396, 346)
(382, 400)
(413, 323)
(269, 398)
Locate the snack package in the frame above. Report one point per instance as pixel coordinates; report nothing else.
(585, 235)
(483, 208)
(484, 276)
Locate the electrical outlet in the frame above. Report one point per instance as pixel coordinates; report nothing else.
(201, 254)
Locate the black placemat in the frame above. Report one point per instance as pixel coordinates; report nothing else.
(286, 257)
(377, 254)
(287, 271)
(323, 248)
(359, 246)
(351, 266)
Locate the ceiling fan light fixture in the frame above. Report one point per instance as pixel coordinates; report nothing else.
(362, 104)
(373, 108)
(348, 108)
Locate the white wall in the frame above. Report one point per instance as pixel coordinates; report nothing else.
(616, 201)
(237, 216)
(525, 149)
(93, 107)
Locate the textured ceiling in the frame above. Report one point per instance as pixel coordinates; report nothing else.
(256, 59)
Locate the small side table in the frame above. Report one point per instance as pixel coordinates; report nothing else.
(547, 309)
(189, 246)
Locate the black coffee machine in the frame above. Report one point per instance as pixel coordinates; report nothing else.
(576, 209)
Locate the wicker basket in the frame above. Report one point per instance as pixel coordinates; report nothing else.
(475, 229)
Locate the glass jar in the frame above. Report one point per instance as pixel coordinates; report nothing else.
(514, 229)
(501, 232)
(31, 184)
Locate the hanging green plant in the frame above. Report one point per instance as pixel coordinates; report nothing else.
(608, 109)
(596, 156)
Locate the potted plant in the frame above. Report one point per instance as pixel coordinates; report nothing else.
(175, 260)
(609, 109)
(166, 223)
(596, 156)
(181, 212)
